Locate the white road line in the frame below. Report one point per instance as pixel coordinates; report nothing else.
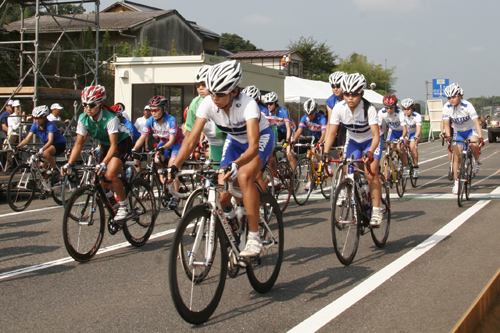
(446, 196)
(334, 309)
(29, 211)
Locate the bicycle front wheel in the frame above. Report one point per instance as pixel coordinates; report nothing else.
(302, 181)
(83, 225)
(462, 179)
(413, 180)
(380, 234)
(284, 188)
(326, 180)
(263, 271)
(69, 185)
(21, 188)
(197, 282)
(138, 228)
(345, 222)
(400, 183)
(470, 175)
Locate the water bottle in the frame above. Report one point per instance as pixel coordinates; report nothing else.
(128, 173)
(395, 163)
(241, 217)
(365, 189)
(230, 216)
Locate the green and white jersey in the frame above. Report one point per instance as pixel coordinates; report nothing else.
(107, 123)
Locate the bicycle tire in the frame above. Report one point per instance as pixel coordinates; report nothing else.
(413, 180)
(385, 169)
(470, 176)
(21, 188)
(337, 179)
(380, 234)
(187, 185)
(139, 227)
(300, 179)
(70, 184)
(152, 179)
(326, 181)
(263, 271)
(56, 185)
(345, 223)
(82, 237)
(284, 190)
(400, 186)
(197, 197)
(196, 296)
(461, 182)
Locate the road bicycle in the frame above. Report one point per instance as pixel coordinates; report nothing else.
(84, 217)
(284, 188)
(450, 166)
(465, 171)
(151, 173)
(391, 166)
(310, 172)
(206, 249)
(30, 177)
(351, 212)
(413, 180)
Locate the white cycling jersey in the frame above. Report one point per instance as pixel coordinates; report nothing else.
(411, 121)
(358, 128)
(393, 121)
(243, 108)
(461, 117)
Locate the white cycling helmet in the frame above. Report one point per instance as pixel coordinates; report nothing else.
(252, 91)
(41, 111)
(271, 97)
(201, 74)
(224, 77)
(310, 106)
(407, 103)
(336, 78)
(453, 90)
(353, 83)
(93, 94)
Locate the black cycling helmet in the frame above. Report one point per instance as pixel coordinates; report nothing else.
(158, 101)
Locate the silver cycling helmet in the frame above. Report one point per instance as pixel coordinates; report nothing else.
(407, 103)
(453, 90)
(224, 77)
(310, 106)
(252, 91)
(41, 111)
(271, 97)
(353, 83)
(201, 74)
(336, 78)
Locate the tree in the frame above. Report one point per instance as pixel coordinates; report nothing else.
(144, 50)
(320, 57)
(234, 43)
(383, 78)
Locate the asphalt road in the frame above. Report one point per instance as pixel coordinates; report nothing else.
(437, 260)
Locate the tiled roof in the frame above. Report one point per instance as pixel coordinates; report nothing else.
(263, 54)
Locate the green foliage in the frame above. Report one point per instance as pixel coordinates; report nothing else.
(65, 9)
(14, 11)
(173, 51)
(320, 57)
(143, 50)
(123, 49)
(358, 63)
(483, 101)
(234, 43)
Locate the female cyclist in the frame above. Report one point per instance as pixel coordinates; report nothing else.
(463, 116)
(391, 115)
(363, 136)
(412, 127)
(54, 142)
(103, 125)
(248, 145)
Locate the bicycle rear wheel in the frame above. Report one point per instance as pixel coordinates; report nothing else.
(400, 183)
(380, 234)
(196, 285)
(326, 181)
(345, 221)
(21, 188)
(154, 182)
(302, 181)
(284, 189)
(413, 180)
(83, 225)
(138, 228)
(263, 271)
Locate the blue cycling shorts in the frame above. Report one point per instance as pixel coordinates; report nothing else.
(464, 135)
(357, 149)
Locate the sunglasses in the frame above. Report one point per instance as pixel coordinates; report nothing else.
(155, 110)
(353, 94)
(91, 105)
(270, 103)
(453, 96)
(336, 86)
(201, 84)
(219, 95)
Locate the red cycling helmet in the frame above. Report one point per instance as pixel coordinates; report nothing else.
(184, 115)
(93, 94)
(390, 100)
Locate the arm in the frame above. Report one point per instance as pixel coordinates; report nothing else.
(332, 132)
(189, 142)
(419, 131)
(297, 134)
(288, 131)
(26, 140)
(478, 127)
(140, 141)
(77, 148)
(49, 141)
(446, 123)
(376, 137)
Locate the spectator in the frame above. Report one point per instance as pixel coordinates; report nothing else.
(55, 114)
(13, 122)
(140, 122)
(4, 115)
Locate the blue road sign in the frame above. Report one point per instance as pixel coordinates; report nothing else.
(438, 86)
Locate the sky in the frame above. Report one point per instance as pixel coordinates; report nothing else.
(423, 39)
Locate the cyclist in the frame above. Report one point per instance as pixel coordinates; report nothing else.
(412, 127)
(248, 145)
(316, 123)
(337, 96)
(363, 137)
(119, 109)
(170, 136)
(462, 114)
(254, 92)
(391, 115)
(213, 134)
(53, 141)
(103, 125)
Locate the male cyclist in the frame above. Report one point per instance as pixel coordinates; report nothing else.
(166, 129)
(248, 145)
(463, 116)
(412, 128)
(103, 125)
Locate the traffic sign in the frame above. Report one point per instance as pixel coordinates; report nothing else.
(438, 86)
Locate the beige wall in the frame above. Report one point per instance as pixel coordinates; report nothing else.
(181, 70)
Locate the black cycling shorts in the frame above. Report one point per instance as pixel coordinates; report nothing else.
(122, 152)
